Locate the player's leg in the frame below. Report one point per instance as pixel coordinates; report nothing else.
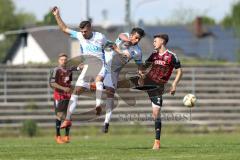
(158, 125)
(80, 87)
(58, 123)
(99, 92)
(66, 138)
(156, 108)
(110, 83)
(72, 106)
(109, 108)
(99, 88)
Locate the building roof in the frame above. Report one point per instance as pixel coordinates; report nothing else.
(219, 44)
(53, 42)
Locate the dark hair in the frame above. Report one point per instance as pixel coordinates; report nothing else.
(84, 24)
(162, 36)
(62, 55)
(140, 31)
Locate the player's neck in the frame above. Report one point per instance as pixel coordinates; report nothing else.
(62, 66)
(162, 50)
(90, 36)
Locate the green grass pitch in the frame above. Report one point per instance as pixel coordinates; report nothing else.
(225, 146)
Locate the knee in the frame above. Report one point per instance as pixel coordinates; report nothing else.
(155, 116)
(99, 79)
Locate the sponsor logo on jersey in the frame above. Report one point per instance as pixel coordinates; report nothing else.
(159, 62)
(93, 49)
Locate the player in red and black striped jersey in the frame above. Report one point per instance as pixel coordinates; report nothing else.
(162, 62)
(60, 80)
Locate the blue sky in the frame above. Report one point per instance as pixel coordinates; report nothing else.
(73, 11)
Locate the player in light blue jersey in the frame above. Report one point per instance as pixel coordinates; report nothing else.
(126, 49)
(92, 44)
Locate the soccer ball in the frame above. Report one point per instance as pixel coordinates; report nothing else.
(189, 100)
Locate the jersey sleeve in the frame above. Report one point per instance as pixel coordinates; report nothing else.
(119, 42)
(104, 40)
(76, 35)
(176, 62)
(149, 61)
(53, 75)
(138, 57)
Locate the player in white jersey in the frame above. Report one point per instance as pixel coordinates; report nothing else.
(126, 49)
(92, 44)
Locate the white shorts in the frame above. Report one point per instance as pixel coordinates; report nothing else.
(89, 72)
(156, 106)
(111, 79)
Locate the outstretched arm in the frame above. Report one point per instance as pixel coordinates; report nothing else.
(123, 37)
(61, 24)
(55, 85)
(176, 81)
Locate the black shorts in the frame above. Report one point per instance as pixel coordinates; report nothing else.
(61, 107)
(155, 92)
(155, 99)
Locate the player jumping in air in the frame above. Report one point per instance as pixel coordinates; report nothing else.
(126, 49)
(91, 44)
(162, 62)
(60, 80)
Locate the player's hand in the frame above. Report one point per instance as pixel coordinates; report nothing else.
(55, 11)
(141, 73)
(140, 81)
(173, 89)
(127, 43)
(80, 66)
(67, 89)
(113, 47)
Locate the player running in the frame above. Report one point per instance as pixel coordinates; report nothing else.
(91, 45)
(126, 49)
(162, 62)
(60, 80)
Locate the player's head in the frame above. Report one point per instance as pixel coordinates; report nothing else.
(86, 29)
(62, 59)
(160, 40)
(136, 35)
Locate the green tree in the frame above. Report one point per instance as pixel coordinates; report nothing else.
(208, 20)
(49, 19)
(184, 16)
(233, 20)
(236, 15)
(11, 20)
(227, 21)
(6, 15)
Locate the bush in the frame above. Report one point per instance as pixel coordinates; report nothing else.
(29, 128)
(31, 105)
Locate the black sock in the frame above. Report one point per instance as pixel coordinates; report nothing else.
(158, 126)
(58, 124)
(67, 130)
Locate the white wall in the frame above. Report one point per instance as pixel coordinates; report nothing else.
(32, 53)
(75, 48)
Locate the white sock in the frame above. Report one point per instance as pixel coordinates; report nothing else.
(99, 89)
(109, 108)
(71, 106)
